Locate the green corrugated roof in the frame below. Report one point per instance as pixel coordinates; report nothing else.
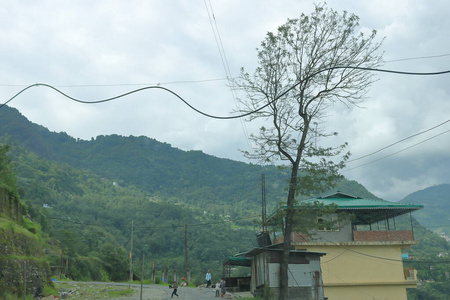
(366, 210)
(238, 261)
(344, 201)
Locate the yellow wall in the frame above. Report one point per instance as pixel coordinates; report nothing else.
(365, 293)
(354, 271)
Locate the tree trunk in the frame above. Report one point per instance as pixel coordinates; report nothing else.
(284, 274)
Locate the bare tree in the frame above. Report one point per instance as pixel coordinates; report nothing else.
(308, 65)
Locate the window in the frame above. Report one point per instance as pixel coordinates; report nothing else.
(328, 222)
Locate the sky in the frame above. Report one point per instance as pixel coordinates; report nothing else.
(93, 50)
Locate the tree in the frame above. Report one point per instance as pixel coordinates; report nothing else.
(308, 65)
(8, 180)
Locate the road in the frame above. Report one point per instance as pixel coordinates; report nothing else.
(149, 291)
(193, 293)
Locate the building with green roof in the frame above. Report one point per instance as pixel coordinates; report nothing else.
(363, 239)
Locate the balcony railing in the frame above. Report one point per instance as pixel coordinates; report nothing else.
(357, 236)
(383, 236)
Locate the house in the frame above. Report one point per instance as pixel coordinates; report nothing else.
(304, 277)
(363, 242)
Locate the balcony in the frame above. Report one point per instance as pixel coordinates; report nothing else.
(410, 274)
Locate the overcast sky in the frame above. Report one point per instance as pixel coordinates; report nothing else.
(98, 49)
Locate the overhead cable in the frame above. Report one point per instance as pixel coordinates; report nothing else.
(402, 140)
(223, 117)
(404, 149)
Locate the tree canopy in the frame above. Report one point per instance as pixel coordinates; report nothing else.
(7, 174)
(308, 65)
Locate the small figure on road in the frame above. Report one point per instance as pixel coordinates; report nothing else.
(175, 288)
(208, 279)
(217, 288)
(223, 289)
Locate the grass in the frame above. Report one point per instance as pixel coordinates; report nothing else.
(13, 297)
(88, 291)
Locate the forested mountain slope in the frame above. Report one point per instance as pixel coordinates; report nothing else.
(191, 176)
(93, 221)
(436, 201)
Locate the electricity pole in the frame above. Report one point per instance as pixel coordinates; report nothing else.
(263, 202)
(131, 256)
(142, 274)
(186, 262)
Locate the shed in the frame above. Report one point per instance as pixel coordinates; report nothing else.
(304, 276)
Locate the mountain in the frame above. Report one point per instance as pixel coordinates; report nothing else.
(192, 177)
(435, 215)
(96, 200)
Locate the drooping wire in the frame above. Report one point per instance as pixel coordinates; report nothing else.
(224, 117)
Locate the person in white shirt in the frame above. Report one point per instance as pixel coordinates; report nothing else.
(208, 278)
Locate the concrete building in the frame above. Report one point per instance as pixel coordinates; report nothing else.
(363, 242)
(304, 277)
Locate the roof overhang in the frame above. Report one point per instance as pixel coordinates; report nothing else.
(238, 261)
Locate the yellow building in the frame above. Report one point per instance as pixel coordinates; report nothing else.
(363, 242)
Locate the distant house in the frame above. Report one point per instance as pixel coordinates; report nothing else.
(363, 242)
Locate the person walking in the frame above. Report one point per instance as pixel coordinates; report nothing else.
(175, 288)
(208, 279)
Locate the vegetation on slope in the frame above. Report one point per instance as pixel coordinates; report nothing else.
(85, 195)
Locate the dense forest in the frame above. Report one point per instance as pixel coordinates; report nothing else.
(97, 202)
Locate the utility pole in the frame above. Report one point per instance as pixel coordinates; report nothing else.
(153, 272)
(263, 202)
(24, 279)
(186, 262)
(142, 274)
(131, 255)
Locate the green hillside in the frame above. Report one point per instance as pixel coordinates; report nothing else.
(23, 266)
(191, 176)
(90, 220)
(97, 200)
(436, 201)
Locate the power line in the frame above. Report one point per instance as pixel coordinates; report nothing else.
(392, 154)
(225, 64)
(125, 84)
(402, 140)
(190, 81)
(398, 260)
(383, 258)
(223, 117)
(418, 57)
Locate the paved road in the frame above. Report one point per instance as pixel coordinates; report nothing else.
(193, 293)
(153, 292)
